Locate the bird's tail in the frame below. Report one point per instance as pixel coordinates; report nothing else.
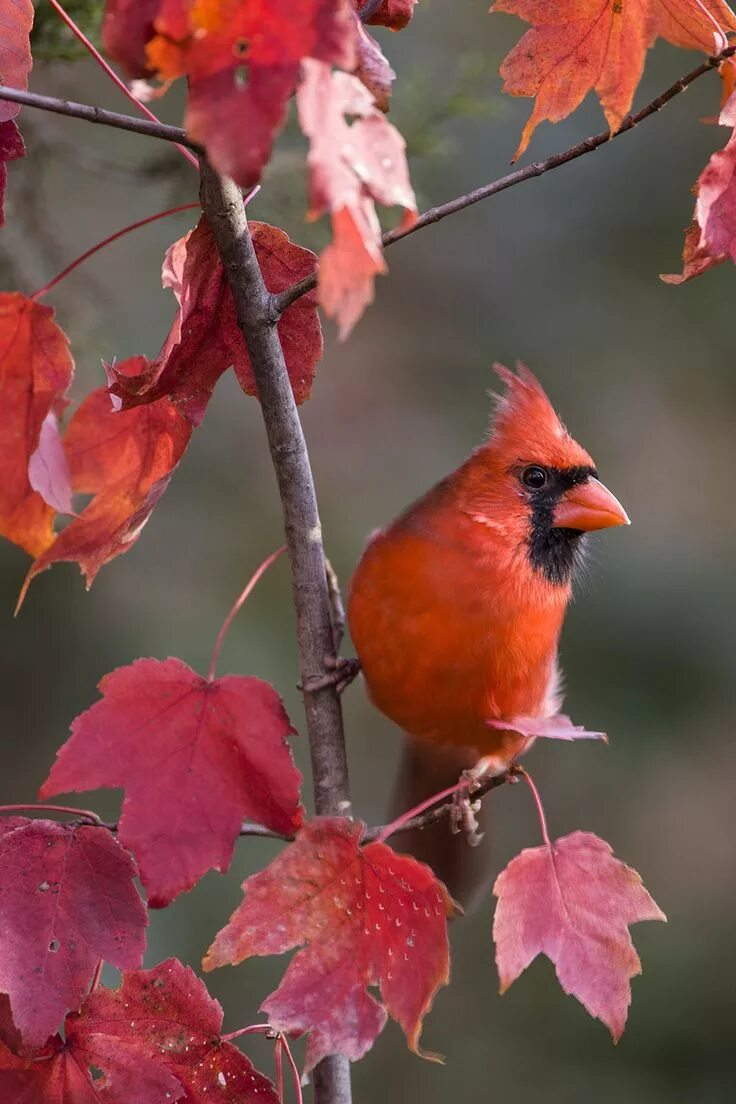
(426, 770)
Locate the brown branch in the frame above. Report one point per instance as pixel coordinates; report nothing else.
(98, 115)
(529, 172)
(224, 210)
(260, 831)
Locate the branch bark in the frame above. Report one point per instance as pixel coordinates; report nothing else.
(98, 115)
(224, 210)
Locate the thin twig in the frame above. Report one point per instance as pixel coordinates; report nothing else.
(98, 115)
(529, 172)
(82, 814)
(224, 210)
(431, 816)
(380, 831)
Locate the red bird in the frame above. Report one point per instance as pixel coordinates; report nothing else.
(456, 608)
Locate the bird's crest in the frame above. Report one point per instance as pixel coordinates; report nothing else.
(526, 427)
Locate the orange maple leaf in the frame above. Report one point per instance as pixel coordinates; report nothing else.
(576, 46)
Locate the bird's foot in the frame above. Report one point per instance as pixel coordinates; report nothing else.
(464, 808)
(463, 816)
(341, 672)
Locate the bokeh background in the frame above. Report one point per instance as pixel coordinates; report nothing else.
(562, 272)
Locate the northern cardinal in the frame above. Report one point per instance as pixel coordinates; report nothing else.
(456, 608)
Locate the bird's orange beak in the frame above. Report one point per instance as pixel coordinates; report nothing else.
(589, 506)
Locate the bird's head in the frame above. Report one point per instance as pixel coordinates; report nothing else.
(537, 481)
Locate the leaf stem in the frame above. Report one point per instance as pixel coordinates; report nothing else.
(400, 822)
(252, 1029)
(107, 241)
(294, 1070)
(277, 1055)
(538, 802)
(86, 814)
(113, 75)
(240, 602)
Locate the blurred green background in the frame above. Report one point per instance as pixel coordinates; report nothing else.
(561, 272)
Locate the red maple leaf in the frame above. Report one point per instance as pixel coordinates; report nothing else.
(395, 14)
(126, 29)
(16, 20)
(351, 166)
(195, 757)
(242, 63)
(573, 901)
(367, 915)
(205, 338)
(154, 1039)
(37, 371)
(12, 147)
(576, 46)
(68, 900)
(125, 459)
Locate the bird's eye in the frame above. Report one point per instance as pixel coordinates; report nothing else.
(534, 477)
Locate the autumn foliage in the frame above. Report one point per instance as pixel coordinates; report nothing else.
(196, 756)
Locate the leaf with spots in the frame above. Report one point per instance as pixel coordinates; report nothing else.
(67, 899)
(195, 757)
(205, 339)
(577, 46)
(573, 902)
(155, 1039)
(363, 916)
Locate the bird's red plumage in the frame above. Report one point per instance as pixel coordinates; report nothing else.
(451, 621)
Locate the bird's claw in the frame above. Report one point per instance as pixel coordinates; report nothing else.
(463, 817)
(341, 672)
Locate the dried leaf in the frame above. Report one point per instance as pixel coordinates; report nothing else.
(205, 338)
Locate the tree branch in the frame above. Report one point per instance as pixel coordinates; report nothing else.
(224, 210)
(529, 172)
(98, 115)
